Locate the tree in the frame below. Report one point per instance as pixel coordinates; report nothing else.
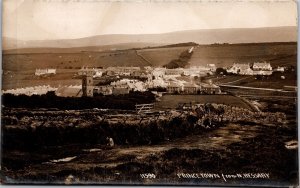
(221, 71)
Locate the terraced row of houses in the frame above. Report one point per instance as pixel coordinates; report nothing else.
(257, 68)
(146, 71)
(192, 88)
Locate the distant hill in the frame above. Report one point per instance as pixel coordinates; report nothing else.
(205, 36)
(113, 47)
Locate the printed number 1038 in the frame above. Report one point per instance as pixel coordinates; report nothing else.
(148, 175)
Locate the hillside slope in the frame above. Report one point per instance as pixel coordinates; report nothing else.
(205, 36)
(221, 55)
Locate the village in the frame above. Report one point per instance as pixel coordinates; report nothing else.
(122, 80)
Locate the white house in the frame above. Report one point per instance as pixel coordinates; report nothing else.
(279, 69)
(39, 72)
(159, 72)
(123, 71)
(174, 72)
(192, 71)
(96, 72)
(211, 67)
(239, 68)
(262, 68)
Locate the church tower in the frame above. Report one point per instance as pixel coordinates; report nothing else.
(87, 84)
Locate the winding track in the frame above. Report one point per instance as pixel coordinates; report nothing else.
(143, 58)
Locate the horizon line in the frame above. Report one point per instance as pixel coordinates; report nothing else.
(144, 33)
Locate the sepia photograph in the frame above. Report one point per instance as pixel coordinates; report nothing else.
(149, 92)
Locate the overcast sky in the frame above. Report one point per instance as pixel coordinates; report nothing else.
(62, 19)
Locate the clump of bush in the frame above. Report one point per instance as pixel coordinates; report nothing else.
(181, 62)
(95, 132)
(50, 100)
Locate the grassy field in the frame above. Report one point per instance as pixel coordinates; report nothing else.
(17, 62)
(171, 101)
(274, 81)
(226, 55)
(162, 56)
(221, 55)
(18, 79)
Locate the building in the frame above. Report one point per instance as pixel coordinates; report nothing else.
(96, 72)
(192, 71)
(174, 72)
(210, 88)
(185, 88)
(139, 74)
(104, 90)
(34, 90)
(69, 91)
(132, 84)
(258, 68)
(278, 69)
(122, 71)
(174, 88)
(87, 84)
(211, 67)
(111, 90)
(262, 68)
(159, 82)
(148, 68)
(40, 72)
(159, 72)
(120, 90)
(239, 68)
(110, 73)
(191, 88)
